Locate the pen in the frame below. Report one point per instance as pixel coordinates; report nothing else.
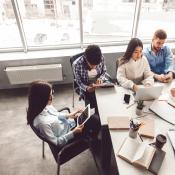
(130, 105)
(140, 137)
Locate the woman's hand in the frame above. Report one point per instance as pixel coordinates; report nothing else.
(78, 129)
(74, 114)
(135, 88)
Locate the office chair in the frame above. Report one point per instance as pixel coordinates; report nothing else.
(65, 153)
(117, 65)
(75, 87)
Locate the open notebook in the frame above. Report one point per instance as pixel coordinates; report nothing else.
(136, 153)
(142, 155)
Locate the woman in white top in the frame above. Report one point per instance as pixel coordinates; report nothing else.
(133, 67)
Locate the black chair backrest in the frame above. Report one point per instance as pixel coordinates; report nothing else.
(55, 150)
(73, 58)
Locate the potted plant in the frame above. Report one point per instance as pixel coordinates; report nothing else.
(139, 108)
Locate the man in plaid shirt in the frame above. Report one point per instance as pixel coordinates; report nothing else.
(89, 70)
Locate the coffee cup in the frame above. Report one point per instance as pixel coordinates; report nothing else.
(160, 141)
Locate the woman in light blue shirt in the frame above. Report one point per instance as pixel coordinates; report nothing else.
(57, 127)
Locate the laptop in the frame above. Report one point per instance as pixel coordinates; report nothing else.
(148, 93)
(84, 116)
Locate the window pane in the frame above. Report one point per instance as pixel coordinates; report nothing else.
(50, 22)
(107, 20)
(156, 15)
(9, 33)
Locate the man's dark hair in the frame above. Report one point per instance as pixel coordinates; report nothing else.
(93, 54)
(161, 34)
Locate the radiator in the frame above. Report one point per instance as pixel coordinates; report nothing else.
(27, 74)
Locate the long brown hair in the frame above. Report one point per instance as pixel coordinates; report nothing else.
(134, 42)
(39, 95)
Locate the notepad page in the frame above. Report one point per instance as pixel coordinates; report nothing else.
(146, 158)
(128, 149)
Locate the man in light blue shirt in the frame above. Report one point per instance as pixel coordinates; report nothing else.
(160, 57)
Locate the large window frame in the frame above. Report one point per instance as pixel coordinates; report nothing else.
(26, 48)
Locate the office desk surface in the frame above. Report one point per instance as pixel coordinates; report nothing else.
(110, 103)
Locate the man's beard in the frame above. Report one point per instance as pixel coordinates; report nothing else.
(156, 48)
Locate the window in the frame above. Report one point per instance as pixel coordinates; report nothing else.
(155, 15)
(9, 33)
(50, 22)
(43, 24)
(107, 20)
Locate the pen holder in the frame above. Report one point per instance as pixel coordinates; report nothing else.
(133, 132)
(134, 127)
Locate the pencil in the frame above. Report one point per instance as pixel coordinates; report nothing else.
(140, 137)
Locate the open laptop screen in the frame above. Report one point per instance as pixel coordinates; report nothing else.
(148, 93)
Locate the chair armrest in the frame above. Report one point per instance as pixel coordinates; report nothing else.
(64, 109)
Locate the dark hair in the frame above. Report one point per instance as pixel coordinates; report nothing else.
(93, 54)
(39, 95)
(134, 42)
(161, 34)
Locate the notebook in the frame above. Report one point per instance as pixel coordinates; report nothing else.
(118, 123)
(164, 111)
(136, 153)
(148, 93)
(141, 154)
(122, 123)
(84, 116)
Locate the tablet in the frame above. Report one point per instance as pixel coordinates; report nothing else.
(105, 84)
(84, 116)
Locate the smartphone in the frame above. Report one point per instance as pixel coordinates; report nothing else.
(127, 98)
